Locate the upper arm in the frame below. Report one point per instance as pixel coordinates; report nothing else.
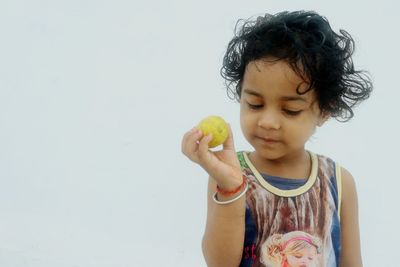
(350, 233)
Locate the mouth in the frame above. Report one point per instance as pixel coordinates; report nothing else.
(269, 140)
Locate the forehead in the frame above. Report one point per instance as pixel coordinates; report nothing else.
(272, 74)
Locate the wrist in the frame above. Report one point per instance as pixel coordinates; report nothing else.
(232, 187)
(223, 197)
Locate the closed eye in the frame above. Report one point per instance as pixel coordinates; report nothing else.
(252, 106)
(292, 112)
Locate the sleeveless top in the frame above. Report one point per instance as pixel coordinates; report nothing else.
(291, 222)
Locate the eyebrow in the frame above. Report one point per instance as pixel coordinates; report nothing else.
(283, 98)
(251, 92)
(293, 98)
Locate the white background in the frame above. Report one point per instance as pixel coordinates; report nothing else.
(95, 96)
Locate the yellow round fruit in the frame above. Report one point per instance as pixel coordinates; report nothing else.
(217, 127)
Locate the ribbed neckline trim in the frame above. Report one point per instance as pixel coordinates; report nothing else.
(281, 192)
(277, 180)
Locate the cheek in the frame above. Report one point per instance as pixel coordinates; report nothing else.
(304, 133)
(244, 123)
(306, 126)
(244, 118)
(247, 117)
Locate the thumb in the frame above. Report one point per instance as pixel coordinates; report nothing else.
(229, 144)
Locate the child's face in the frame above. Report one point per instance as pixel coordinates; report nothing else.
(305, 257)
(276, 120)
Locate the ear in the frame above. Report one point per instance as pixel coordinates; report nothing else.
(323, 117)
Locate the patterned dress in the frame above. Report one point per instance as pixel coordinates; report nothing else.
(291, 222)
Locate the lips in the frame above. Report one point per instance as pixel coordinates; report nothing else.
(269, 140)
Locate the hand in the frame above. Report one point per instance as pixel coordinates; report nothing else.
(221, 165)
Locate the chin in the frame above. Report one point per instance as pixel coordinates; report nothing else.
(269, 154)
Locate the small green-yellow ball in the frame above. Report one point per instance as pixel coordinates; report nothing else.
(217, 127)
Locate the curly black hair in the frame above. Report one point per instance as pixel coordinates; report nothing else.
(306, 41)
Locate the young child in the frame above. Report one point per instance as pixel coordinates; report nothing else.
(290, 72)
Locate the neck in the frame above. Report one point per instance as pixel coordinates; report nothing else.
(296, 166)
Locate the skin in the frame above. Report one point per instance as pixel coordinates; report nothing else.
(224, 234)
(277, 122)
(350, 232)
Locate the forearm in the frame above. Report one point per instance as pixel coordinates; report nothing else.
(224, 235)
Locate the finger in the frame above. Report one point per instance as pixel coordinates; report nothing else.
(203, 148)
(229, 144)
(185, 139)
(189, 142)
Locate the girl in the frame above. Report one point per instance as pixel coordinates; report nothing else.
(290, 72)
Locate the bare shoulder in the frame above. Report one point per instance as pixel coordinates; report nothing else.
(348, 185)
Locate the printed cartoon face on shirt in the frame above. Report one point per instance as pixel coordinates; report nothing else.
(293, 249)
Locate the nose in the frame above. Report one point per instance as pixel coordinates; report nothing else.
(269, 120)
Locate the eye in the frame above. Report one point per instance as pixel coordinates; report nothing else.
(292, 112)
(253, 106)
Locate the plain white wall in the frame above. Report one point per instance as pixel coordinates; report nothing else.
(96, 95)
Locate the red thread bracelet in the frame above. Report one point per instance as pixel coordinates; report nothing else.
(234, 191)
